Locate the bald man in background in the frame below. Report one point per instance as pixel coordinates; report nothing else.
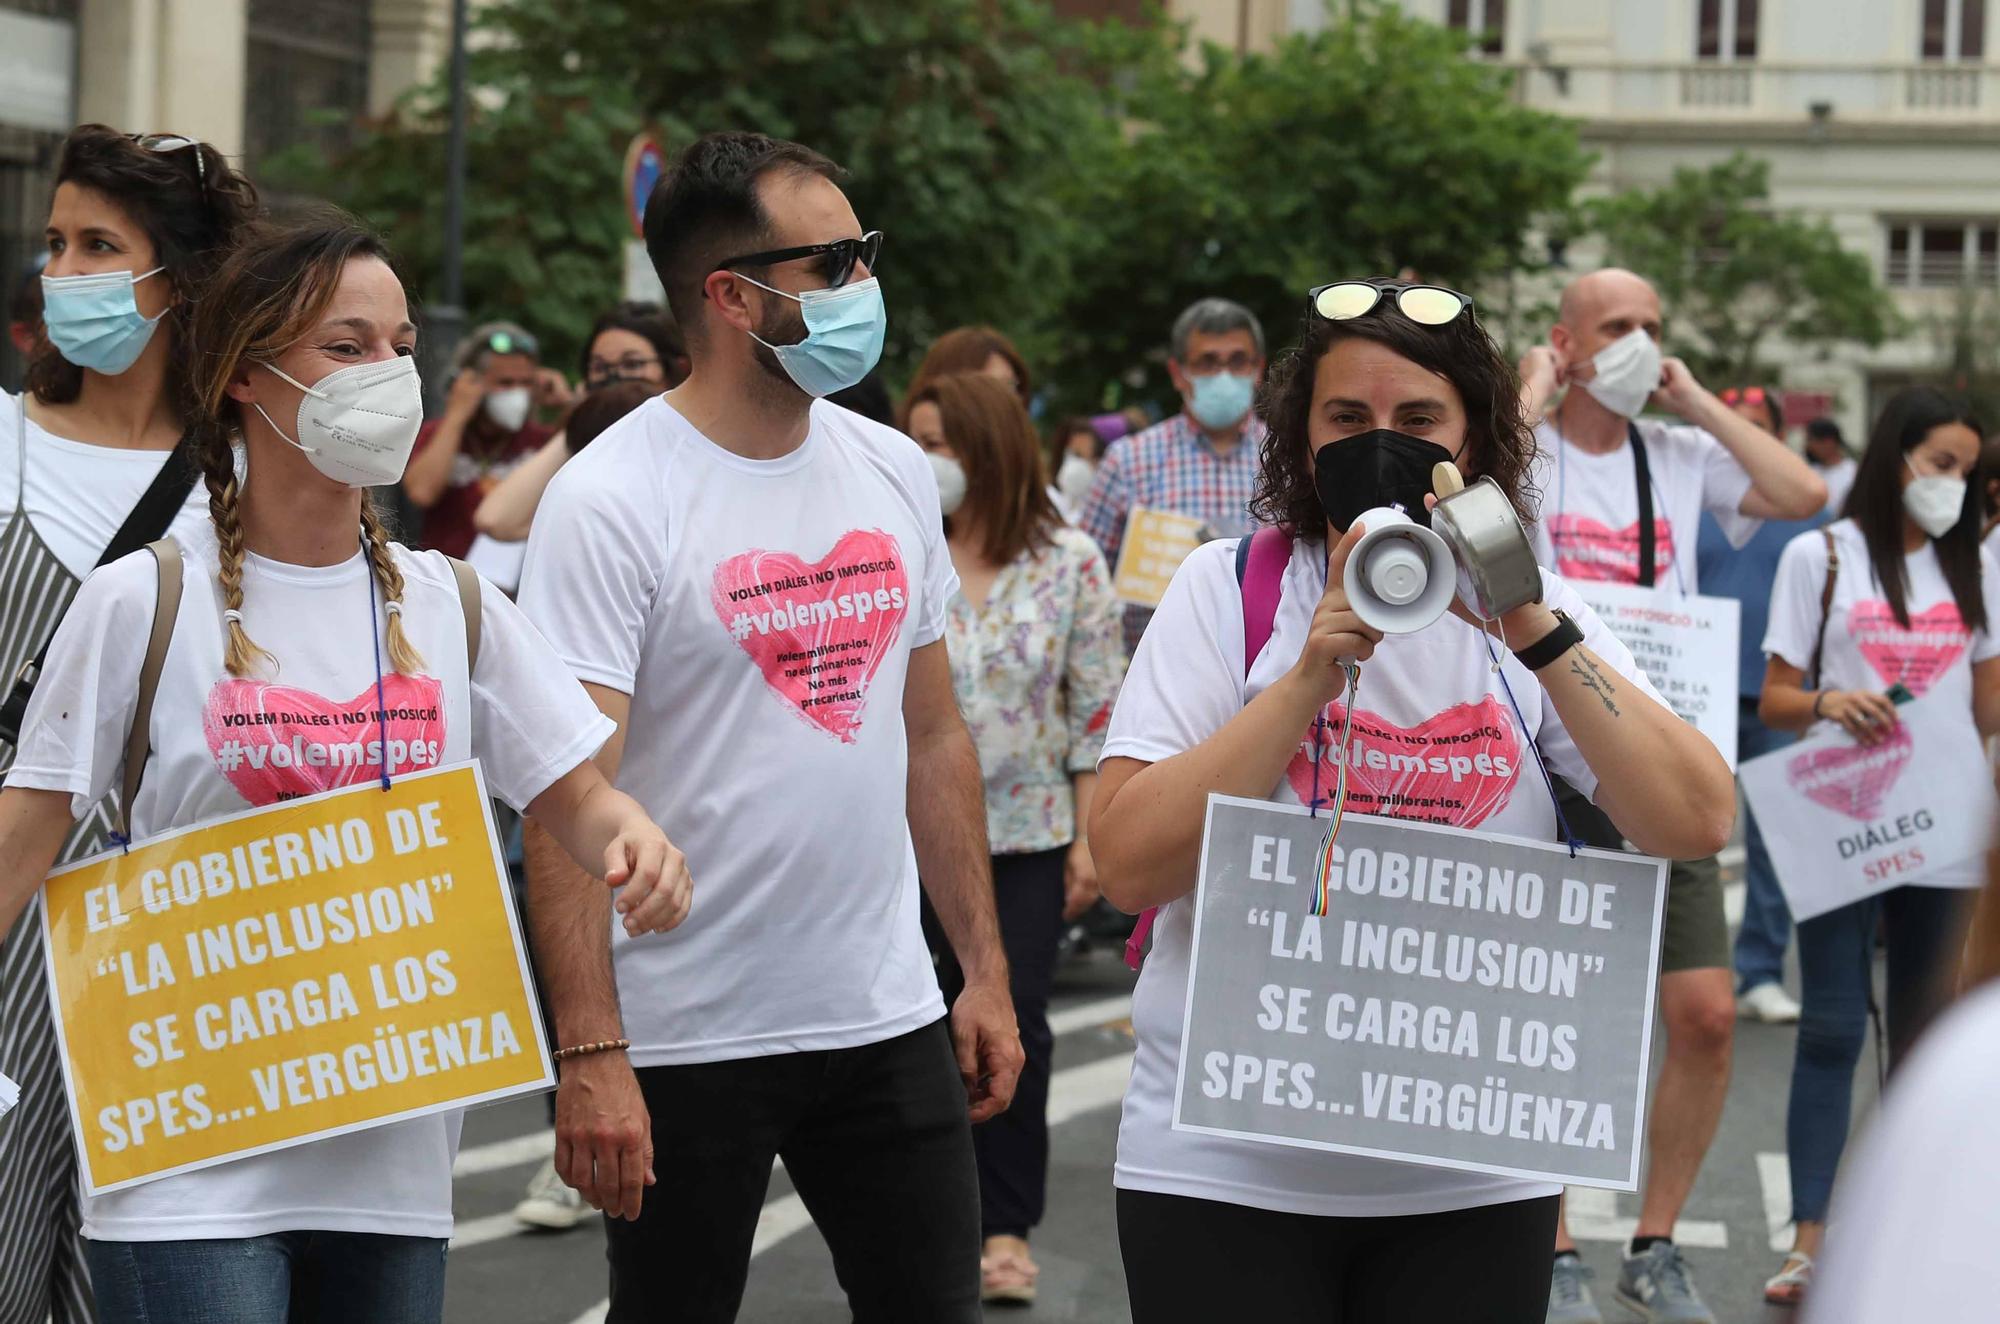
(1621, 501)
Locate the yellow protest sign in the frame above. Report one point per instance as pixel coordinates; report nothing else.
(1155, 544)
(322, 965)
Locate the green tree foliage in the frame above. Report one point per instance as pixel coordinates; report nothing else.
(1733, 275)
(1368, 147)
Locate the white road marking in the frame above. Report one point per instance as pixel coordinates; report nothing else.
(1593, 1216)
(1733, 895)
(1090, 1015)
(470, 1232)
(1732, 857)
(503, 1154)
(1774, 1174)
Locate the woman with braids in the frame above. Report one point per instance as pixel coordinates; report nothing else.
(136, 226)
(1389, 381)
(305, 362)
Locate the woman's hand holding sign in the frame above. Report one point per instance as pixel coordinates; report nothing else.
(1863, 714)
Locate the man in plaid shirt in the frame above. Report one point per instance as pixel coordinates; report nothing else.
(1202, 462)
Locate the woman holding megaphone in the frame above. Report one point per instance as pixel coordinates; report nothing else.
(1244, 685)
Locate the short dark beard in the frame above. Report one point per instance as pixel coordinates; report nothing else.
(778, 328)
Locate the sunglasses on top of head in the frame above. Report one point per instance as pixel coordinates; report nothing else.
(841, 257)
(1426, 305)
(173, 142)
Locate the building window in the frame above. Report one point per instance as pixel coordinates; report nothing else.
(1486, 20)
(307, 76)
(1931, 255)
(1726, 30)
(1954, 29)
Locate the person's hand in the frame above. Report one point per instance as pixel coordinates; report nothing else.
(1337, 635)
(1867, 716)
(1542, 375)
(654, 874)
(552, 389)
(1678, 391)
(988, 1046)
(604, 1135)
(1080, 890)
(467, 393)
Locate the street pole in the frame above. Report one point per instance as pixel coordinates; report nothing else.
(445, 322)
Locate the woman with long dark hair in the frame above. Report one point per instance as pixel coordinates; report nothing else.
(306, 358)
(1910, 605)
(137, 224)
(1388, 381)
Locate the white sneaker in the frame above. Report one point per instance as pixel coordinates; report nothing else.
(1768, 1003)
(550, 1203)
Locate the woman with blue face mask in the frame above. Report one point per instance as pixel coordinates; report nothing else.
(136, 227)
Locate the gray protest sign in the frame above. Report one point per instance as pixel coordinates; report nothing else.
(1469, 1000)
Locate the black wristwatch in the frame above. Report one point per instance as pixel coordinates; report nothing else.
(1552, 645)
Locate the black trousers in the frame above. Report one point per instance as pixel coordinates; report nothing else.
(1013, 1148)
(1198, 1261)
(874, 1140)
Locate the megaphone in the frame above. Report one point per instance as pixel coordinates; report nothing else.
(1402, 576)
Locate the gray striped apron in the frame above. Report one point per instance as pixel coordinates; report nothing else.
(42, 1273)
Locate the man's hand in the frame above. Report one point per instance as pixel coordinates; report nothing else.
(1541, 377)
(1080, 891)
(988, 1044)
(467, 393)
(1679, 392)
(604, 1135)
(552, 389)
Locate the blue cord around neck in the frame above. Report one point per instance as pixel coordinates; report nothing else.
(1562, 820)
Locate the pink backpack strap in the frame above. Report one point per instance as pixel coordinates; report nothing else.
(1261, 559)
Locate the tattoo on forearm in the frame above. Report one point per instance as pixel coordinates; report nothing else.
(1585, 669)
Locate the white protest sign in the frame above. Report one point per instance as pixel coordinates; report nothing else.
(1687, 646)
(1843, 821)
(1469, 1000)
(10, 1094)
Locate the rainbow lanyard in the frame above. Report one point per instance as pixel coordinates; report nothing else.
(1324, 862)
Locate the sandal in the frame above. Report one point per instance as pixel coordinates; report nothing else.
(1788, 1286)
(1007, 1279)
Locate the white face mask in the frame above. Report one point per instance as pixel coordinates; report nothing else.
(358, 424)
(1628, 372)
(950, 475)
(1073, 479)
(1934, 501)
(509, 408)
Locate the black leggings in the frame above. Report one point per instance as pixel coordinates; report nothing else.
(1201, 1261)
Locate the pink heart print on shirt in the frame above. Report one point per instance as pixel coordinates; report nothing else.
(1914, 656)
(818, 632)
(1588, 550)
(1852, 779)
(1456, 768)
(278, 742)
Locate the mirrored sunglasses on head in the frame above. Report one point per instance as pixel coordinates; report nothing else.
(1426, 305)
(174, 142)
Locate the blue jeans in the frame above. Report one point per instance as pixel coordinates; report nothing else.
(1836, 972)
(1767, 920)
(282, 1278)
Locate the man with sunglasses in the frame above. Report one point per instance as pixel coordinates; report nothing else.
(487, 431)
(1203, 462)
(1622, 499)
(752, 581)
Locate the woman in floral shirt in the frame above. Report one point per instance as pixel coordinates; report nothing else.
(1036, 658)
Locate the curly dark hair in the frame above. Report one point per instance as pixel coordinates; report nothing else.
(1500, 443)
(193, 212)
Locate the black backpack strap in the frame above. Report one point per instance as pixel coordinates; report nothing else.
(1642, 471)
(146, 523)
(1825, 602)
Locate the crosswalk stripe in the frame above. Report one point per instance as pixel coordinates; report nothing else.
(1090, 1015)
(1592, 1215)
(1774, 1174)
(503, 1154)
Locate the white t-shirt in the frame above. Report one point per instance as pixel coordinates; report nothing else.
(1185, 683)
(761, 614)
(1839, 480)
(1589, 525)
(1866, 648)
(522, 714)
(1914, 1219)
(78, 494)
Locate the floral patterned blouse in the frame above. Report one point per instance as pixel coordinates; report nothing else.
(1036, 670)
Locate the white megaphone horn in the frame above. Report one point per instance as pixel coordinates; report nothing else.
(1400, 577)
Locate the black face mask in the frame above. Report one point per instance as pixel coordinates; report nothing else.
(1379, 468)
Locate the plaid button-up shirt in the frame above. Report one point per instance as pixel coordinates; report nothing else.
(1172, 466)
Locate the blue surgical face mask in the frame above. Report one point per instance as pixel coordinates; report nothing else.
(1221, 399)
(844, 330)
(94, 321)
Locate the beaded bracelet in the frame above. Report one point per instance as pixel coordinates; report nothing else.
(585, 1050)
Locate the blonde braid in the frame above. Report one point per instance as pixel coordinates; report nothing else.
(241, 655)
(404, 659)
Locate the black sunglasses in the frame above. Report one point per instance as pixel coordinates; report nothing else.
(841, 255)
(1426, 305)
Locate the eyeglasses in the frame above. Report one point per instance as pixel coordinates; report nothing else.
(513, 342)
(1426, 305)
(841, 255)
(1238, 365)
(174, 142)
(1749, 395)
(632, 365)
